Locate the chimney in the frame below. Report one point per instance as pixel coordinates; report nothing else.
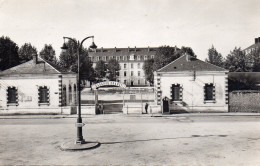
(148, 49)
(35, 58)
(135, 48)
(256, 40)
(128, 49)
(188, 57)
(115, 49)
(101, 49)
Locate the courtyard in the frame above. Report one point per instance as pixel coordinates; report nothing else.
(184, 139)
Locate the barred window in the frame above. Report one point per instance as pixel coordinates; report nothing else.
(176, 91)
(209, 92)
(43, 94)
(12, 95)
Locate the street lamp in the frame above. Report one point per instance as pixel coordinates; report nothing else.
(80, 143)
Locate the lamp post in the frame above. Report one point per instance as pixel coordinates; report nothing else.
(80, 143)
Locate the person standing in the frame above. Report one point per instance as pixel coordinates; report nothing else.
(146, 108)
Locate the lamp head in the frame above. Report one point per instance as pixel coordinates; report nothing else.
(93, 45)
(64, 47)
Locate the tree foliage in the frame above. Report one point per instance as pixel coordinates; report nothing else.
(26, 52)
(254, 60)
(164, 55)
(69, 61)
(148, 70)
(100, 70)
(8, 53)
(214, 57)
(48, 54)
(113, 68)
(237, 61)
(186, 50)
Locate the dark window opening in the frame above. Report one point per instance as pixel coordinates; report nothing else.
(12, 95)
(176, 92)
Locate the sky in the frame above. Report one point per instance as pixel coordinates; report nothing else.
(198, 24)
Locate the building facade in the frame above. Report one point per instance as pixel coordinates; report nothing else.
(192, 85)
(253, 47)
(37, 87)
(131, 62)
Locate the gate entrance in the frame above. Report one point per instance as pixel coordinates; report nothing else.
(112, 98)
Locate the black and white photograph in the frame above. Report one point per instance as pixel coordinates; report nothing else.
(130, 82)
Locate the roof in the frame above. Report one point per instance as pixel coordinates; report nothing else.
(188, 63)
(123, 51)
(30, 67)
(253, 46)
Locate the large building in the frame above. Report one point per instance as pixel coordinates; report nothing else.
(131, 61)
(37, 87)
(253, 46)
(192, 85)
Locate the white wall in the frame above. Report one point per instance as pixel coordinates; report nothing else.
(193, 91)
(27, 87)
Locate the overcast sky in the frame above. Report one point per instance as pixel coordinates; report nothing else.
(198, 24)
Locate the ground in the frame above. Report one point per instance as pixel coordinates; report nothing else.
(188, 139)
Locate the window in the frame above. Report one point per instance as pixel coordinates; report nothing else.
(176, 91)
(124, 66)
(152, 56)
(12, 95)
(139, 82)
(145, 57)
(70, 94)
(97, 58)
(125, 73)
(124, 81)
(75, 93)
(139, 73)
(43, 93)
(138, 65)
(209, 92)
(104, 58)
(132, 65)
(117, 58)
(132, 73)
(138, 57)
(64, 96)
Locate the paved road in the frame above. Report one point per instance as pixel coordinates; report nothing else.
(130, 140)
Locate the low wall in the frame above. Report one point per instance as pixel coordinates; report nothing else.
(88, 109)
(138, 108)
(244, 101)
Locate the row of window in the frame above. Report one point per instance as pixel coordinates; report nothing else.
(209, 92)
(43, 95)
(132, 65)
(132, 73)
(122, 58)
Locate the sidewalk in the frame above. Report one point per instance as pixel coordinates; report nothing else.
(128, 115)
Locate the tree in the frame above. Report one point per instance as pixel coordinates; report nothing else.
(148, 70)
(8, 53)
(69, 61)
(214, 57)
(48, 54)
(236, 61)
(187, 50)
(26, 52)
(254, 60)
(164, 55)
(100, 70)
(113, 68)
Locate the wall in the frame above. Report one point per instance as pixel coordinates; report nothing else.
(193, 91)
(244, 101)
(27, 86)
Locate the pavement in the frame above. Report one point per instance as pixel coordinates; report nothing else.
(177, 140)
(129, 115)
